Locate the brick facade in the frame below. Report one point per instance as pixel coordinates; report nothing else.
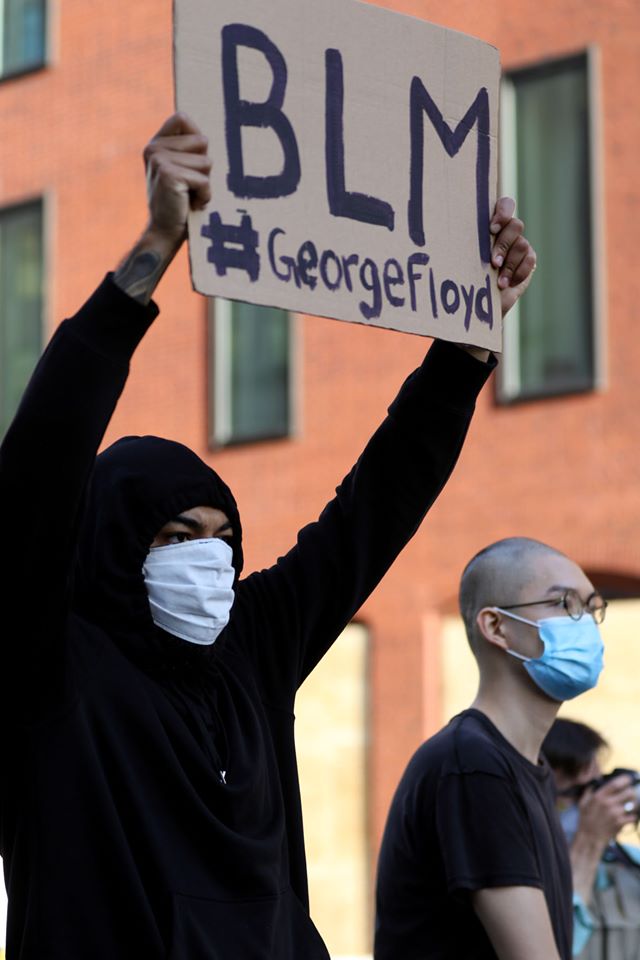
(564, 470)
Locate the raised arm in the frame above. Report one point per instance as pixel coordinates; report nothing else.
(48, 453)
(300, 605)
(303, 602)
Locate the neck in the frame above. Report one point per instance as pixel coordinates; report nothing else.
(522, 715)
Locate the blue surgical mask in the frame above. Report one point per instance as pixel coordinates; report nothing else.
(572, 658)
(570, 821)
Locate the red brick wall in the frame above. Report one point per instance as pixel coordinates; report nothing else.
(564, 470)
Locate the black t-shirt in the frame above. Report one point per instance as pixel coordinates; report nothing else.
(470, 812)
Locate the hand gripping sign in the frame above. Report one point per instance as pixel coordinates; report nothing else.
(354, 162)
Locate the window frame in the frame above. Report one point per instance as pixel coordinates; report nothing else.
(508, 390)
(24, 70)
(219, 397)
(45, 202)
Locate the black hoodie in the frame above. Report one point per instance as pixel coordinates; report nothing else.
(149, 800)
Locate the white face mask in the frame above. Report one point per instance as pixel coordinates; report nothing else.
(189, 586)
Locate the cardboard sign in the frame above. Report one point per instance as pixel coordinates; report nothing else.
(354, 162)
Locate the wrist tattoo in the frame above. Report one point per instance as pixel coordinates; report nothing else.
(139, 274)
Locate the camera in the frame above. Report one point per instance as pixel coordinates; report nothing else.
(633, 776)
(577, 791)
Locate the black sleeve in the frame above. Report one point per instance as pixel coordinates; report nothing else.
(484, 833)
(46, 460)
(290, 614)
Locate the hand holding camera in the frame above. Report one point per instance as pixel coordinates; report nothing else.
(608, 804)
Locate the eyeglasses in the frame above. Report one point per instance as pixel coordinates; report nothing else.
(572, 603)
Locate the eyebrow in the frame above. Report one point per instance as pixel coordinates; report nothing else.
(558, 587)
(196, 526)
(187, 522)
(563, 589)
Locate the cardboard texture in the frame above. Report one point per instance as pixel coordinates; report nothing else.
(354, 162)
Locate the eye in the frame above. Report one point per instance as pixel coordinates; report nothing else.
(180, 536)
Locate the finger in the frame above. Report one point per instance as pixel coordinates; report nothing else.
(608, 795)
(618, 785)
(200, 196)
(628, 815)
(199, 187)
(188, 144)
(178, 179)
(505, 240)
(526, 267)
(178, 123)
(188, 161)
(516, 254)
(503, 212)
(627, 797)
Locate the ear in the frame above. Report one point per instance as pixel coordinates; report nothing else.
(490, 624)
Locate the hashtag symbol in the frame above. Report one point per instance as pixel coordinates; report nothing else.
(232, 247)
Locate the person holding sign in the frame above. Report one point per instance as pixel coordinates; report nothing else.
(473, 862)
(150, 806)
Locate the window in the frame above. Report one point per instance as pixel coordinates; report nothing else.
(21, 302)
(548, 164)
(251, 395)
(23, 33)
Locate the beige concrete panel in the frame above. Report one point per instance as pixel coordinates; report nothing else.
(331, 736)
(613, 708)
(459, 670)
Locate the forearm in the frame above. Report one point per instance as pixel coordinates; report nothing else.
(585, 853)
(177, 167)
(140, 271)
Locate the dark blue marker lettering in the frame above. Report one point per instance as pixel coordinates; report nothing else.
(484, 303)
(467, 296)
(324, 273)
(448, 287)
(307, 261)
(350, 261)
(343, 202)
(290, 271)
(393, 280)
(232, 247)
(452, 141)
(416, 259)
(370, 280)
(432, 293)
(243, 113)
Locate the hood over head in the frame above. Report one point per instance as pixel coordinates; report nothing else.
(139, 484)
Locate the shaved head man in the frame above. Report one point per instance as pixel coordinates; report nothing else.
(473, 862)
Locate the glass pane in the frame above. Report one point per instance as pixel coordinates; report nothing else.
(20, 303)
(24, 34)
(556, 315)
(259, 372)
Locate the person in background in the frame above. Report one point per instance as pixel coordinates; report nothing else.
(473, 863)
(606, 873)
